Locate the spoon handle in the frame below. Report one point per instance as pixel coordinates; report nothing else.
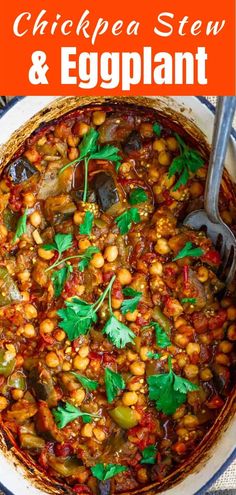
(222, 127)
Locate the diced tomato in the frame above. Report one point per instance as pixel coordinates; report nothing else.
(108, 358)
(95, 356)
(117, 290)
(218, 320)
(215, 403)
(106, 277)
(186, 273)
(180, 448)
(200, 322)
(212, 256)
(63, 449)
(82, 490)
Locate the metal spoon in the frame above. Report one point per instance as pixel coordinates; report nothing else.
(209, 219)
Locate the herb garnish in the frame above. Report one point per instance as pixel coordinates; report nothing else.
(153, 355)
(129, 305)
(61, 243)
(190, 300)
(188, 250)
(104, 472)
(90, 149)
(157, 129)
(149, 455)
(86, 257)
(67, 413)
(113, 383)
(78, 315)
(189, 161)
(59, 277)
(21, 227)
(137, 196)
(86, 382)
(125, 220)
(169, 390)
(162, 339)
(86, 226)
(118, 333)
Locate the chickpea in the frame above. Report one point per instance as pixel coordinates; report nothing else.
(205, 338)
(134, 385)
(231, 313)
(202, 274)
(164, 158)
(72, 140)
(182, 359)
(181, 340)
(179, 322)
(84, 351)
(111, 253)
(29, 331)
(84, 244)
(196, 189)
(78, 217)
(190, 421)
(117, 314)
(66, 366)
(225, 346)
(35, 218)
(23, 276)
(143, 353)
(52, 360)
(129, 398)
(3, 403)
(125, 168)
(59, 335)
(45, 255)
(206, 374)
(99, 117)
(78, 396)
(179, 413)
(99, 434)
(201, 173)
(193, 348)
(81, 128)
(3, 232)
(222, 359)
(25, 295)
(231, 332)
(30, 311)
(226, 217)
(131, 316)
(156, 268)
(124, 276)
(131, 355)
(87, 430)
(153, 173)
(146, 130)
(97, 260)
(172, 143)
(73, 153)
(182, 433)
(29, 200)
(142, 475)
(191, 371)
(80, 363)
(46, 326)
(4, 187)
(116, 303)
(162, 247)
(137, 368)
(225, 302)
(159, 145)
(17, 394)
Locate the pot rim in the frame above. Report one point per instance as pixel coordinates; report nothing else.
(204, 101)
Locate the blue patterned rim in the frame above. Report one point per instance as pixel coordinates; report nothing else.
(232, 456)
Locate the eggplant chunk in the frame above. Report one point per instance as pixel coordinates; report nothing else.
(21, 170)
(9, 292)
(78, 195)
(104, 487)
(106, 191)
(45, 424)
(42, 385)
(133, 143)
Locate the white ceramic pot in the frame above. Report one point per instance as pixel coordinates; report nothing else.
(13, 480)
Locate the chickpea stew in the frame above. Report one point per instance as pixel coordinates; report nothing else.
(116, 346)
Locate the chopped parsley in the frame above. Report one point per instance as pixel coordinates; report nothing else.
(185, 164)
(129, 305)
(86, 257)
(149, 455)
(104, 472)
(86, 226)
(59, 278)
(118, 333)
(137, 196)
(67, 413)
(86, 382)
(21, 226)
(188, 250)
(125, 220)
(113, 383)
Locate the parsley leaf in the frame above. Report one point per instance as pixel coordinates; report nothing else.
(137, 196)
(21, 227)
(86, 382)
(190, 300)
(132, 303)
(113, 383)
(86, 257)
(86, 227)
(67, 413)
(188, 162)
(157, 129)
(125, 220)
(169, 390)
(61, 243)
(118, 333)
(149, 455)
(153, 355)
(162, 339)
(107, 152)
(188, 250)
(104, 472)
(59, 277)
(88, 144)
